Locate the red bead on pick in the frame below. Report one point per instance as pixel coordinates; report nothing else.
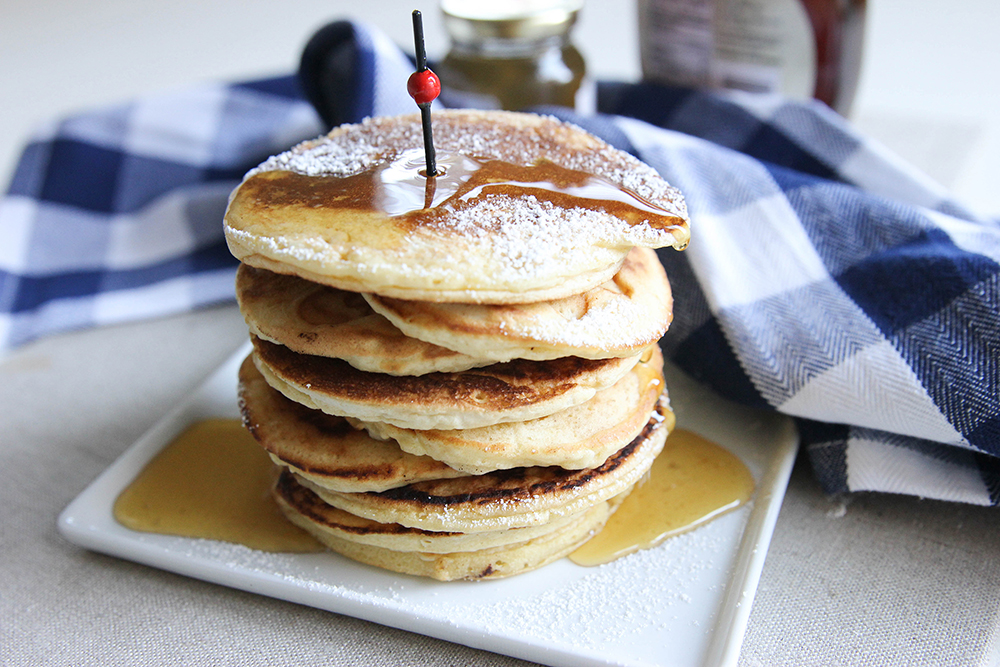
(423, 87)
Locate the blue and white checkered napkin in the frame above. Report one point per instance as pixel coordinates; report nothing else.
(824, 280)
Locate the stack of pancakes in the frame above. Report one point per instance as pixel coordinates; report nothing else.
(458, 377)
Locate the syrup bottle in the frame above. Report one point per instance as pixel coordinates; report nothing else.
(800, 48)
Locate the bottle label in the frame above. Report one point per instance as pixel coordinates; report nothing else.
(757, 45)
(676, 41)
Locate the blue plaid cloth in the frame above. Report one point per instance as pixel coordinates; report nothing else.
(825, 279)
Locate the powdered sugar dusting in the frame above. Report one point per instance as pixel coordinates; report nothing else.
(303, 250)
(621, 322)
(633, 310)
(653, 598)
(553, 232)
(521, 139)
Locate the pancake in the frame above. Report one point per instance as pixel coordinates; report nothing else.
(619, 318)
(490, 563)
(326, 449)
(308, 511)
(514, 391)
(528, 209)
(311, 318)
(507, 498)
(582, 436)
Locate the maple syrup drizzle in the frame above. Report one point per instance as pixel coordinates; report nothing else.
(400, 188)
(691, 482)
(213, 482)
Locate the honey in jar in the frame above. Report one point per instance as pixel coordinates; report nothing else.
(513, 56)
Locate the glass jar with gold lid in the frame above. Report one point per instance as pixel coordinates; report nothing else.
(513, 54)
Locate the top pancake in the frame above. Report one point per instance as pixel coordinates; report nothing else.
(528, 209)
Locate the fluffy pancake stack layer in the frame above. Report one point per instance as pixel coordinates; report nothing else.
(458, 377)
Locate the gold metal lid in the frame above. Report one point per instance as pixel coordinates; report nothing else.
(521, 20)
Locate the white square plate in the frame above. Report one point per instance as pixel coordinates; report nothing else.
(685, 602)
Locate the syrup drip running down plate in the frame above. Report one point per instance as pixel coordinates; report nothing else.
(687, 600)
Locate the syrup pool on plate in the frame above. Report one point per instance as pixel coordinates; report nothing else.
(213, 482)
(691, 482)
